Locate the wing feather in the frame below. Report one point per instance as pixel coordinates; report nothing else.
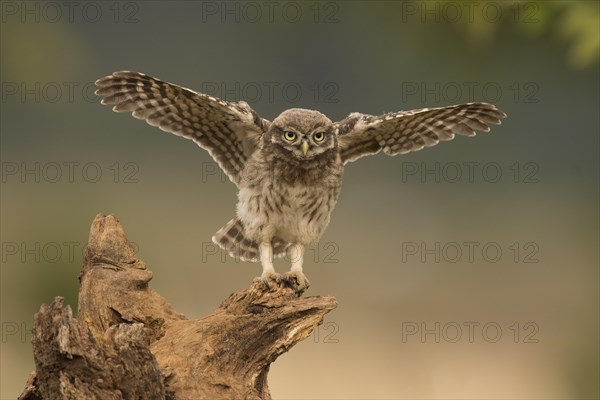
(405, 131)
(230, 132)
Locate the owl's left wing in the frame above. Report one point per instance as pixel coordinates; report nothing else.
(401, 132)
(230, 132)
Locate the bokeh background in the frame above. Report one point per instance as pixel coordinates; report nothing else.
(419, 316)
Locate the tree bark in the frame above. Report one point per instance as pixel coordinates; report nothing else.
(127, 342)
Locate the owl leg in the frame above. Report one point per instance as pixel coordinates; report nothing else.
(295, 277)
(269, 277)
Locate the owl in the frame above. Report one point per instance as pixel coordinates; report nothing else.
(288, 171)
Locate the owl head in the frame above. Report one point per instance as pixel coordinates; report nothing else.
(302, 134)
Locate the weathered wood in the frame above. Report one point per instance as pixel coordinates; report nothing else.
(127, 342)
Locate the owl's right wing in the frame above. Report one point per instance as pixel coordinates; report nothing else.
(401, 132)
(230, 132)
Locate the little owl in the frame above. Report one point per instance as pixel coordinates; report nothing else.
(288, 171)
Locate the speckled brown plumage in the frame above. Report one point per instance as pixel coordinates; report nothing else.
(289, 171)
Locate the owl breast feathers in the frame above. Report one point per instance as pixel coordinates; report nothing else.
(288, 171)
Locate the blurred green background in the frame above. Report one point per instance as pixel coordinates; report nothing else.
(396, 253)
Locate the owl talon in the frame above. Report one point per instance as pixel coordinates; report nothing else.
(296, 280)
(270, 280)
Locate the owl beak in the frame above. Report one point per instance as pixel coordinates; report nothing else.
(305, 148)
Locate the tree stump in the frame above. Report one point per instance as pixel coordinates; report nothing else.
(127, 342)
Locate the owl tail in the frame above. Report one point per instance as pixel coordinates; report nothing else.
(231, 238)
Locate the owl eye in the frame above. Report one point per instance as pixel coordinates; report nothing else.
(289, 136)
(319, 136)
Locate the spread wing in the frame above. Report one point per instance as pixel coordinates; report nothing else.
(401, 132)
(229, 131)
